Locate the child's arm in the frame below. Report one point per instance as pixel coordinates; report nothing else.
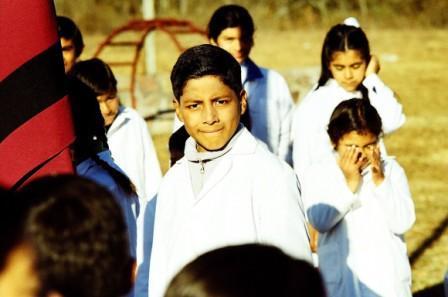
(302, 134)
(327, 196)
(383, 98)
(152, 174)
(395, 199)
(279, 213)
(285, 106)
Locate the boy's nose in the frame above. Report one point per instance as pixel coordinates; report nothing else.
(105, 108)
(348, 73)
(238, 45)
(210, 115)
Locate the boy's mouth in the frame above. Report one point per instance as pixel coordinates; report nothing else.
(211, 131)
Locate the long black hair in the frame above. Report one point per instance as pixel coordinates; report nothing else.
(89, 130)
(343, 37)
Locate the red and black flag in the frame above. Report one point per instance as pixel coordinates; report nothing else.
(35, 119)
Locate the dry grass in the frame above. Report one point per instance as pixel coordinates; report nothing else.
(414, 65)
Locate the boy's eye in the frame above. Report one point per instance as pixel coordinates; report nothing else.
(339, 68)
(193, 106)
(221, 102)
(356, 66)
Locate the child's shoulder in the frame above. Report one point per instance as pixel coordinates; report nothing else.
(175, 174)
(131, 113)
(390, 164)
(266, 163)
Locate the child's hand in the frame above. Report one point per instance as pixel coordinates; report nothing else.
(373, 66)
(351, 162)
(377, 169)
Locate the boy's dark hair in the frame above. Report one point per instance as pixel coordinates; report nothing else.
(203, 60)
(12, 216)
(80, 237)
(353, 115)
(342, 37)
(231, 16)
(67, 29)
(89, 130)
(250, 270)
(97, 75)
(176, 144)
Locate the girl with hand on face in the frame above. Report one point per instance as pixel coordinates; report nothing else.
(359, 202)
(348, 71)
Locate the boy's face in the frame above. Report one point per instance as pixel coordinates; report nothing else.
(233, 41)
(19, 277)
(109, 106)
(210, 111)
(68, 53)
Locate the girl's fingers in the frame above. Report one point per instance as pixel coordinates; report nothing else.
(353, 155)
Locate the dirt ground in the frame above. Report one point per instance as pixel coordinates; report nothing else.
(414, 64)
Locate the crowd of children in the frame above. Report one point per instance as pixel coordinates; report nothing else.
(253, 182)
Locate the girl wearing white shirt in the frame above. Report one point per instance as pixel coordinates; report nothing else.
(361, 206)
(348, 71)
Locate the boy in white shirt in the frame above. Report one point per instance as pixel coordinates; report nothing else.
(228, 188)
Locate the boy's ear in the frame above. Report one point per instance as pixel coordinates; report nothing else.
(243, 101)
(133, 272)
(176, 106)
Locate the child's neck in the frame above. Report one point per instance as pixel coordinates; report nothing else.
(192, 153)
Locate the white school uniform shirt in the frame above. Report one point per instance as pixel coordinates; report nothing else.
(133, 150)
(270, 107)
(361, 247)
(249, 197)
(310, 139)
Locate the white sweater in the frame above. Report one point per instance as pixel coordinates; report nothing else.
(133, 150)
(361, 247)
(310, 139)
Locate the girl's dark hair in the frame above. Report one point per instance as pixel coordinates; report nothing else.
(97, 75)
(343, 37)
(231, 16)
(354, 115)
(250, 270)
(89, 130)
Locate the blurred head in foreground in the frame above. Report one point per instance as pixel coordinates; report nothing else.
(251, 270)
(79, 236)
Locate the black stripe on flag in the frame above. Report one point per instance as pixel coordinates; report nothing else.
(31, 88)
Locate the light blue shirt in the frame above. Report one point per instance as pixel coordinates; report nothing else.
(270, 107)
(129, 204)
